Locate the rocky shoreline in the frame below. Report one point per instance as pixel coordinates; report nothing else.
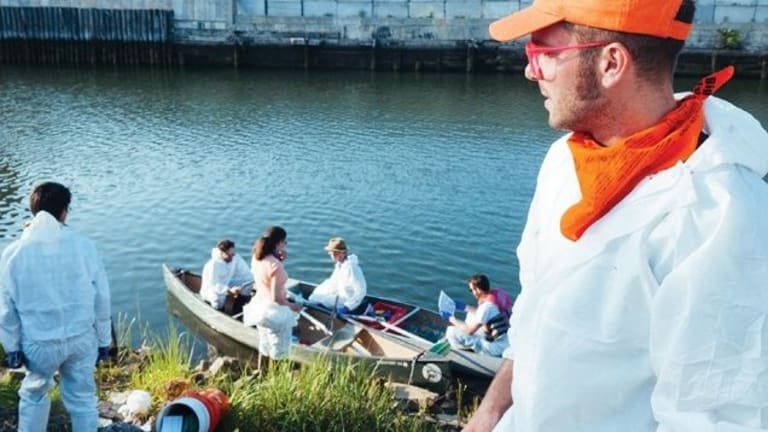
(116, 414)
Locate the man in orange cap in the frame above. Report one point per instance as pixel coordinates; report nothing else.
(644, 257)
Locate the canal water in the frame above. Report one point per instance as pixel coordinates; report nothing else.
(427, 176)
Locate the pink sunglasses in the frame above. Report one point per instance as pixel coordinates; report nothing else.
(533, 51)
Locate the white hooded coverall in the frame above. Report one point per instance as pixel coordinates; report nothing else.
(55, 308)
(219, 276)
(347, 282)
(656, 319)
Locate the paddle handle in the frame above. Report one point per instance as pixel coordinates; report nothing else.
(315, 321)
(389, 326)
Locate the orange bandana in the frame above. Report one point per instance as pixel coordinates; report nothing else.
(607, 174)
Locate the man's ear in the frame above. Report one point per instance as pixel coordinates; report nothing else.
(614, 64)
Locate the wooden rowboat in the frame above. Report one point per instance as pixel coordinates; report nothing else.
(319, 335)
(422, 328)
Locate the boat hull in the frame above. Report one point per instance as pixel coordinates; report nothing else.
(423, 329)
(225, 332)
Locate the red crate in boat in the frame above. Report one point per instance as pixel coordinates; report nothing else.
(387, 311)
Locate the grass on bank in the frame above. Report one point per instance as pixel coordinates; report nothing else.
(166, 363)
(282, 397)
(9, 399)
(322, 396)
(318, 397)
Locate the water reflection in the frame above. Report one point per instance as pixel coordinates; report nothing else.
(10, 200)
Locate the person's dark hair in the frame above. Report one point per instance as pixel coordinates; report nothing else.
(50, 197)
(225, 245)
(266, 244)
(655, 57)
(480, 281)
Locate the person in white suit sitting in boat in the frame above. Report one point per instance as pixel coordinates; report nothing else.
(226, 274)
(346, 287)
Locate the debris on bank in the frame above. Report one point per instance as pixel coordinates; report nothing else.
(124, 409)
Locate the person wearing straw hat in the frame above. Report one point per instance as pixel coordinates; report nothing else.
(643, 258)
(346, 286)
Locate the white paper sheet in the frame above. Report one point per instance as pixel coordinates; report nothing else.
(445, 303)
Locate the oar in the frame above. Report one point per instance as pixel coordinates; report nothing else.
(355, 345)
(440, 347)
(333, 313)
(315, 321)
(388, 326)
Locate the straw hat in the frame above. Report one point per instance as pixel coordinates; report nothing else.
(336, 244)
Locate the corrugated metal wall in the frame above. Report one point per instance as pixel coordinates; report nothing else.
(75, 24)
(67, 35)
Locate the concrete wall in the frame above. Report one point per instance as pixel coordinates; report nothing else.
(101, 4)
(430, 19)
(444, 20)
(731, 11)
(708, 11)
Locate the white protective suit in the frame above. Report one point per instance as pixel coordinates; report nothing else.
(347, 282)
(55, 308)
(219, 276)
(657, 318)
(274, 323)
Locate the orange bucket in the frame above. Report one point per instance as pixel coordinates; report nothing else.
(203, 410)
(217, 404)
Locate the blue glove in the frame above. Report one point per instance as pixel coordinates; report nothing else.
(370, 312)
(460, 306)
(14, 359)
(446, 315)
(342, 310)
(103, 354)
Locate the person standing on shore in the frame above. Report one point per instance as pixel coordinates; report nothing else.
(644, 260)
(54, 312)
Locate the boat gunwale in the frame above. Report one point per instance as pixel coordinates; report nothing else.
(211, 317)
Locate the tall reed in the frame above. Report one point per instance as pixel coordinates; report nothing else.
(168, 360)
(322, 396)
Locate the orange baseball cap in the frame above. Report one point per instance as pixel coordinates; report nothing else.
(660, 18)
